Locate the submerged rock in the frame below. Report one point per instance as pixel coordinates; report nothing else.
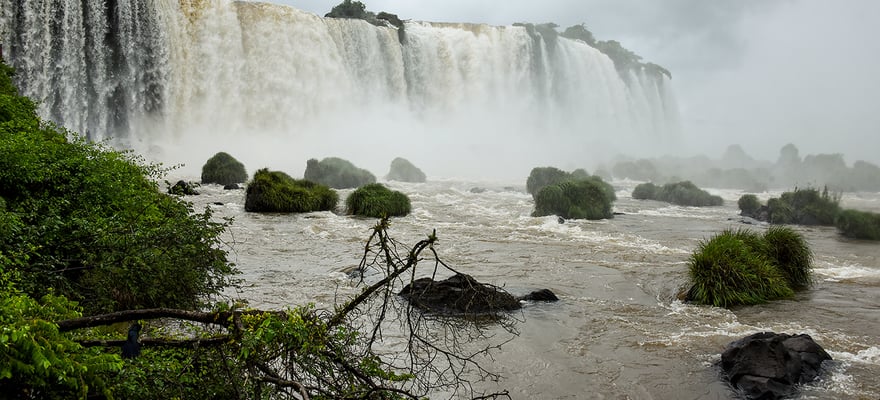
(462, 294)
(769, 365)
(183, 188)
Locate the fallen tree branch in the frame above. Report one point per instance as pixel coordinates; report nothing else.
(184, 343)
(222, 318)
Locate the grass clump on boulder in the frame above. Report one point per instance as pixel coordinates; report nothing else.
(223, 169)
(748, 204)
(337, 173)
(404, 171)
(743, 268)
(683, 193)
(377, 201)
(541, 177)
(858, 224)
(274, 191)
(576, 199)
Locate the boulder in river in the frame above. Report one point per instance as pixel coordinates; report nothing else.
(462, 294)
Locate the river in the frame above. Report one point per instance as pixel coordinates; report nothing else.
(618, 332)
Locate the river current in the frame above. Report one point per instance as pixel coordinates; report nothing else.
(618, 331)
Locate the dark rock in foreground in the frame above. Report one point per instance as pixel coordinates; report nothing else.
(462, 294)
(769, 365)
(183, 188)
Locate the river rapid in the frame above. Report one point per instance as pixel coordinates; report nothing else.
(618, 331)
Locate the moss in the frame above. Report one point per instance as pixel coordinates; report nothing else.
(337, 173)
(732, 269)
(576, 199)
(858, 224)
(223, 169)
(377, 201)
(274, 191)
(404, 171)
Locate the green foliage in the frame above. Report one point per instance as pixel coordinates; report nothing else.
(858, 224)
(748, 204)
(732, 269)
(541, 177)
(804, 207)
(348, 9)
(580, 32)
(645, 191)
(404, 171)
(789, 251)
(682, 193)
(377, 201)
(38, 361)
(223, 169)
(337, 173)
(93, 226)
(577, 199)
(274, 191)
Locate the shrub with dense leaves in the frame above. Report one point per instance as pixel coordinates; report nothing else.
(804, 207)
(744, 268)
(858, 224)
(748, 204)
(377, 201)
(404, 171)
(337, 173)
(541, 177)
(275, 191)
(223, 169)
(576, 199)
(682, 193)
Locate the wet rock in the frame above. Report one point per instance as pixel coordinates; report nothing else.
(477, 190)
(540, 295)
(458, 294)
(183, 188)
(769, 365)
(232, 186)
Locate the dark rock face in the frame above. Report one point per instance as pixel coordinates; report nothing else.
(761, 214)
(462, 294)
(183, 188)
(233, 186)
(768, 365)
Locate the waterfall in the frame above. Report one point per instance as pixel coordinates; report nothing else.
(274, 86)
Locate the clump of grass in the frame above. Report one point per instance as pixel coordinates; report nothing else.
(858, 224)
(791, 254)
(377, 201)
(735, 268)
(275, 191)
(805, 207)
(589, 198)
(748, 204)
(645, 191)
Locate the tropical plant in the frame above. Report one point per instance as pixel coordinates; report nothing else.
(645, 191)
(541, 177)
(858, 224)
(223, 169)
(377, 201)
(790, 252)
(805, 207)
(732, 269)
(576, 199)
(682, 193)
(748, 204)
(275, 191)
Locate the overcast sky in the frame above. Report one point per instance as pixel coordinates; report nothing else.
(760, 73)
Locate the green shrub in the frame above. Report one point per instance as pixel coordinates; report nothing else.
(748, 204)
(683, 193)
(377, 201)
(348, 9)
(804, 207)
(274, 191)
(789, 251)
(337, 173)
(645, 191)
(541, 177)
(576, 199)
(858, 224)
(404, 171)
(729, 270)
(223, 169)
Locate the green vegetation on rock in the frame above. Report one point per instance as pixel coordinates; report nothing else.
(223, 169)
(858, 224)
(576, 199)
(682, 193)
(404, 171)
(377, 201)
(275, 191)
(744, 268)
(541, 177)
(337, 173)
(748, 204)
(804, 207)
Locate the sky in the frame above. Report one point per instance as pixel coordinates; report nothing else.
(758, 73)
